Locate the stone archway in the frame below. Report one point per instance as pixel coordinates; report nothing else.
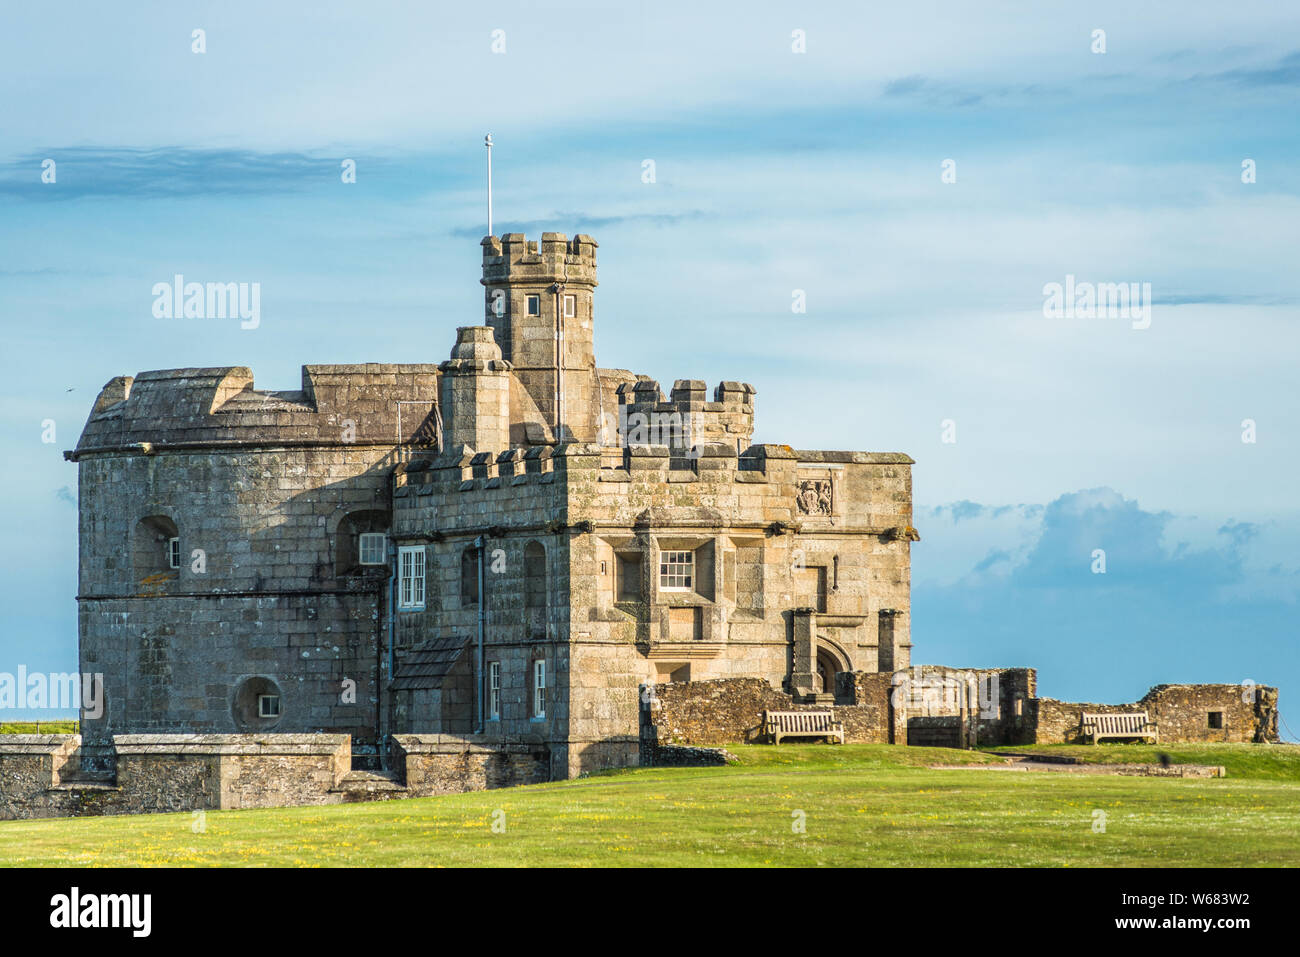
(830, 661)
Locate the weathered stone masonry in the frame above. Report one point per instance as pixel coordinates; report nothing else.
(230, 581)
(947, 707)
(471, 573)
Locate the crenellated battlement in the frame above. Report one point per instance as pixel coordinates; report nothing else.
(464, 469)
(687, 418)
(512, 257)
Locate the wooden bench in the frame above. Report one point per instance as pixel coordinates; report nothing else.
(1128, 725)
(802, 724)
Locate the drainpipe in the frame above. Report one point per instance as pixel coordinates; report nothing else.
(392, 632)
(558, 289)
(482, 624)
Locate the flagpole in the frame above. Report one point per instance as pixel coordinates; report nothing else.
(487, 141)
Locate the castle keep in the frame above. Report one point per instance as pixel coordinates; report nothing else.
(507, 544)
(509, 566)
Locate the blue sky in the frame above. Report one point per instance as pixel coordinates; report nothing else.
(775, 171)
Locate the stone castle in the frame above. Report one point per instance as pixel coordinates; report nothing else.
(513, 565)
(509, 543)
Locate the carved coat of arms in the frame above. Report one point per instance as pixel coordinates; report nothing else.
(814, 497)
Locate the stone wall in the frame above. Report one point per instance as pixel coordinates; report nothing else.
(39, 774)
(685, 756)
(450, 764)
(159, 773)
(730, 710)
(267, 493)
(940, 706)
(1181, 713)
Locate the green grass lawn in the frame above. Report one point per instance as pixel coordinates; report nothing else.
(1273, 762)
(68, 726)
(861, 805)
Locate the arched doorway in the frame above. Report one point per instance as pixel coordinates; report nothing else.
(830, 662)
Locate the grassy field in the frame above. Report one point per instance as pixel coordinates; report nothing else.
(858, 805)
(68, 726)
(1261, 762)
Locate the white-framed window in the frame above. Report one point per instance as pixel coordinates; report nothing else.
(371, 548)
(173, 553)
(676, 571)
(534, 305)
(570, 306)
(268, 706)
(539, 688)
(494, 690)
(410, 577)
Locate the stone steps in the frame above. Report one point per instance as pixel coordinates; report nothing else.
(370, 786)
(86, 778)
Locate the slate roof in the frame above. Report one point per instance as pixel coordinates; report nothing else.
(428, 665)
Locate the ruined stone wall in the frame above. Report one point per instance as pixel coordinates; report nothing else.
(1181, 712)
(730, 711)
(941, 706)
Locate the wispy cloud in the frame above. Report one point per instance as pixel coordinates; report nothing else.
(578, 222)
(170, 171)
(1286, 72)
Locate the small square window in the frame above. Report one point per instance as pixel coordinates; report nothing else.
(268, 706)
(676, 570)
(371, 548)
(1216, 719)
(570, 306)
(173, 553)
(534, 305)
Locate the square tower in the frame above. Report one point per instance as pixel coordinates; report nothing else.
(539, 301)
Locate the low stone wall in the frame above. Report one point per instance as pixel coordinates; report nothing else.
(730, 710)
(451, 764)
(158, 773)
(30, 766)
(172, 773)
(1181, 713)
(684, 756)
(179, 772)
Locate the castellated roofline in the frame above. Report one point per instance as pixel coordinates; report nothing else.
(513, 257)
(221, 407)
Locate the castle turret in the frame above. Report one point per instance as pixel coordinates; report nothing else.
(539, 301)
(476, 393)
